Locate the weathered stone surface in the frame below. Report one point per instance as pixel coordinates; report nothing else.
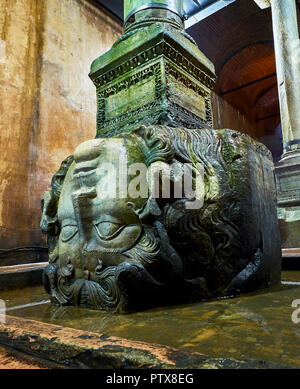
(81, 349)
(125, 254)
(153, 75)
(12, 359)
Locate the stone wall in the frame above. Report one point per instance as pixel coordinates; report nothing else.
(47, 101)
(227, 116)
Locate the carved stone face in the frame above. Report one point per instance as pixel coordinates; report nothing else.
(126, 253)
(97, 230)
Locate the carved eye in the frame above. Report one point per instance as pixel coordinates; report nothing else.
(68, 232)
(108, 230)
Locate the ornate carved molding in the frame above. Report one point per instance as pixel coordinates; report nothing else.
(130, 116)
(161, 49)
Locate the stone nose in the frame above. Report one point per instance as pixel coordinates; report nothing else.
(86, 274)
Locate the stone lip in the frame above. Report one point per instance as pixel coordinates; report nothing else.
(289, 159)
(132, 43)
(81, 349)
(22, 267)
(291, 258)
(19, 276)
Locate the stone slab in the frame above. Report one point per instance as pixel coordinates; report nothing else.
(12, 359)
(20, 276)
(81, 349)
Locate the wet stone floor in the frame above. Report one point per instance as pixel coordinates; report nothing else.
(254, 326)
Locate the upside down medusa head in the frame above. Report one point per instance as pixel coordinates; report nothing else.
(127, 253)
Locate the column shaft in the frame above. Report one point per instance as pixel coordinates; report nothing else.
(287, 52)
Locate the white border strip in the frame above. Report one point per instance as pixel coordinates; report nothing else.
(24, 306)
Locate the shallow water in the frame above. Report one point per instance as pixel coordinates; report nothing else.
(253, 326)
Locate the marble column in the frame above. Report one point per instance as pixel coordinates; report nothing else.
(287, 51)
(287, 170)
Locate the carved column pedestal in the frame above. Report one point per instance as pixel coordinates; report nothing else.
(154, 74)
(287, 173)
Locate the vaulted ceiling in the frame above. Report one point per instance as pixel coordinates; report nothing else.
(239, 41)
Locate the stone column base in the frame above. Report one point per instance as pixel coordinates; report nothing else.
(289, 227)
(287, 173)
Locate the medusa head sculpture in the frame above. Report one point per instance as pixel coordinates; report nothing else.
(159, 216)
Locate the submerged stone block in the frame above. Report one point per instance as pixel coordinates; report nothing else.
(127, 250)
